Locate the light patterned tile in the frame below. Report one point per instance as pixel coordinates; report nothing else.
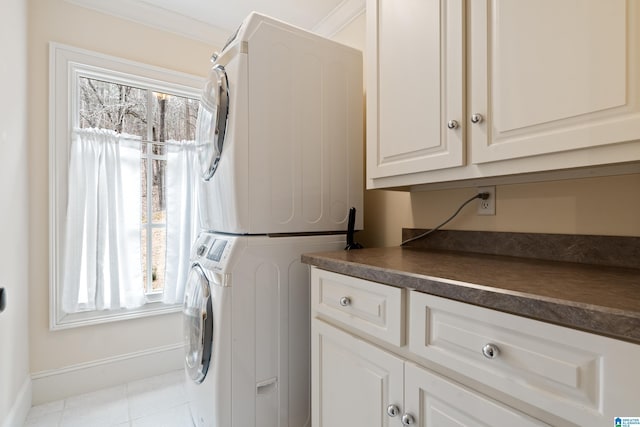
(103, 408)
(46, 420)
(149, 396)
(178, 416)
(45, 409)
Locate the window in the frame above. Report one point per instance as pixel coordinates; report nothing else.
(123, 161)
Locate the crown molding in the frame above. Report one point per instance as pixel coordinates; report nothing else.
(340, 17)
(159, 18)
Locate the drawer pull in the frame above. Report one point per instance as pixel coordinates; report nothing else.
(407, 420)
(393, 410)
(345, 301)
(490, 351)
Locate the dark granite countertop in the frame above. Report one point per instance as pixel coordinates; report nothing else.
(600, 299)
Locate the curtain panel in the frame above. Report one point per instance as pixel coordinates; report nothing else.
(102, 245)
(102, 255)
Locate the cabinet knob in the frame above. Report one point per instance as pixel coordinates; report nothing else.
(393, 410)
(476, 118)
(408, 420)
(345, 301)
(490, 351)
(452, 124)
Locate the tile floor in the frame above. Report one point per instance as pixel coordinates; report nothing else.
(153, 402)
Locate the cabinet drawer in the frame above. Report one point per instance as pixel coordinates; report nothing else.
(440, 402)
(568, 373)
(370, 307)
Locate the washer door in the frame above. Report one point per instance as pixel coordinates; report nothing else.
(212, 121)
(197, 324)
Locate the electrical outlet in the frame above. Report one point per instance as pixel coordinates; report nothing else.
(487, 206)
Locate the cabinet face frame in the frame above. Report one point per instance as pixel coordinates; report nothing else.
(410, 97)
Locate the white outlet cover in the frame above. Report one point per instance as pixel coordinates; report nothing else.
(487, 207)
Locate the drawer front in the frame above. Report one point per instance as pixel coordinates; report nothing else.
(435, 401)
(370, 307)
(551, 367)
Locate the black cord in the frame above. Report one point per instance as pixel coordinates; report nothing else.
(483, 196)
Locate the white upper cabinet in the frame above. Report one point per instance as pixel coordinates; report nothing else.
(552, 76)
(533, 86)
(415, 64)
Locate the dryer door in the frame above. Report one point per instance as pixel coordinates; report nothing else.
(197, 324)
(212, 121)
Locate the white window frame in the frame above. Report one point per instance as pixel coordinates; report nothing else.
(66, 64)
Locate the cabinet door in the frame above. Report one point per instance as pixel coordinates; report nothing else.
(447, 404)
(553, 75)
(353, 382)
(414, 86)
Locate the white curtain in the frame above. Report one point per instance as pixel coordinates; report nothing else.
(102, 246)
(182, 225)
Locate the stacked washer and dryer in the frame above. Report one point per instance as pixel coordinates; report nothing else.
(280, 148)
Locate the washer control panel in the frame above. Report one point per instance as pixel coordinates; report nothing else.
(212, 251)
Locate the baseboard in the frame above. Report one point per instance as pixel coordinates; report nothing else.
(57, 384)
(18, 412)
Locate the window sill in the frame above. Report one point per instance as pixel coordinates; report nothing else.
(89, 318)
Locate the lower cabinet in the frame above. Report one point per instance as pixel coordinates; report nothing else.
(356, 383)
(386, 356)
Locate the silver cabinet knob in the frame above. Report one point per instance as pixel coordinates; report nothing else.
(393, 410)
(490, 351)
(476, 118)
(345, 301)
(452, 124)
(407, 420)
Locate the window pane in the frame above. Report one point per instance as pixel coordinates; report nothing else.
(174, 118)
(112, 106)
(159, 258)
(143, 257)
(143, 190)
(159, 192)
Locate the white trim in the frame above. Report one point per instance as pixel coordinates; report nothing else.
(344, 14)
(556, 175)
(65, 64)
(159, 18)
(57, 384)
(20, 408)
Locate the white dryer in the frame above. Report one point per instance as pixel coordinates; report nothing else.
(280, 133)
(247, 329)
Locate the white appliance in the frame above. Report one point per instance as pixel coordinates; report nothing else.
(282, 131)
(280, 146)
(247, 329)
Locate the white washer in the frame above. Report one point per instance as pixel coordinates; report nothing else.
(247, 329)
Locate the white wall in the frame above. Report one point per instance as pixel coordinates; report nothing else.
(14, 232)
(65, 362)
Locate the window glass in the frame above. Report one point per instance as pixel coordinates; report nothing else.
(107, 105)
